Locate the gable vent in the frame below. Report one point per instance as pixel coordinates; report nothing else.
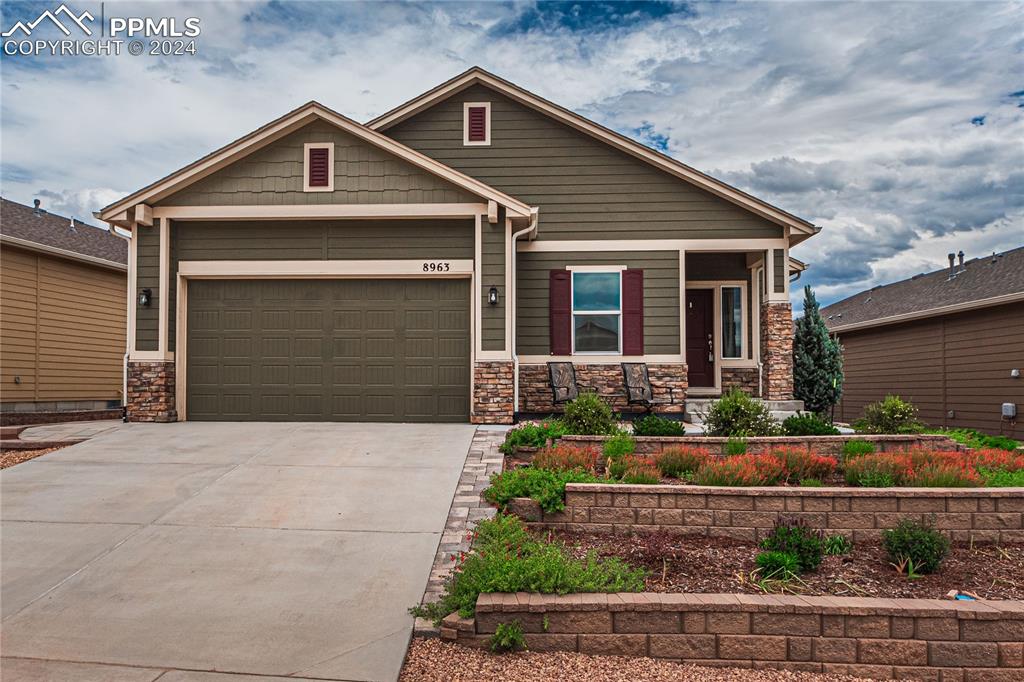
(477, 124)
(319, 167)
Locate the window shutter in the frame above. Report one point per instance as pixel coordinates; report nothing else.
(560, 312)
(632, 312)
(477, 124)
(319, 172)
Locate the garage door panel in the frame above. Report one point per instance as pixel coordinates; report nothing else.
(379, 350)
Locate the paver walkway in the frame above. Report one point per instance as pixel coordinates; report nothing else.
(177, 550)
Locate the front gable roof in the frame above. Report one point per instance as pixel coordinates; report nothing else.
(800, 228)
(290, 122)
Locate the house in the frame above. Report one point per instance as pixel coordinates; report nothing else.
(427, 265)
(62, 329)
(950, 341)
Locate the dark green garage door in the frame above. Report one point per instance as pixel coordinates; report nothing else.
(331, 350)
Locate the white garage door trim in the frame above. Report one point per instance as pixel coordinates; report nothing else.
(311, 269)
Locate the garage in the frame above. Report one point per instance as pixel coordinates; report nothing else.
(390, 350)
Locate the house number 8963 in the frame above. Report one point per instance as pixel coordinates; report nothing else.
(437, 267)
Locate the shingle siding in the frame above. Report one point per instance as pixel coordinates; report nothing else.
(585, 189)
(363, 174)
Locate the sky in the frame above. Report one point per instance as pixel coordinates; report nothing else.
(896, 127)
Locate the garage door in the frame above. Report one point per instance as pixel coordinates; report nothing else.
(328, 350)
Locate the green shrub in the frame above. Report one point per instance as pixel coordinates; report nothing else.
(656, 425)
(977, 440)
(505, 558)
(588, 415)
(735, 446)
(778, 565)
(810, 483)
(618, 445)
(919, 542)
(796, 537)
(837, 544)
(545, 486)
(808, 424)
(508, 637)
(995, 478)
(641, 473)
(817, 359)
(677, 462)
(890, 415)
(532, 435)
(617, 466)
(737, 414)
(855, 448)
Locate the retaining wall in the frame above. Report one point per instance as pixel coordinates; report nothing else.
(880, 638)
(965, 514)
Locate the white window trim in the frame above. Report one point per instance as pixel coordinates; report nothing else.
(329, 146)
(744, 314)
(487, 124)
(609, 269)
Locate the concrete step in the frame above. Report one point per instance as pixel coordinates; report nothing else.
(780, 409)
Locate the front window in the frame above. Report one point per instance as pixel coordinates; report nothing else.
(597, 312)
(732, 322)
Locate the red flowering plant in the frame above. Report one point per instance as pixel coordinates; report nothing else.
(679, 462)
(803, 464)
(617, 468)
(741, 470)
(997, 460)
(566, 458)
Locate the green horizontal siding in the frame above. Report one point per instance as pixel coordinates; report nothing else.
(661, 296)
(585, 188)
(492, 271)
(363, 174)
(318, 240)
(147, 319)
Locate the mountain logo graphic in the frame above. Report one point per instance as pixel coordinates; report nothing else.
(78, 20)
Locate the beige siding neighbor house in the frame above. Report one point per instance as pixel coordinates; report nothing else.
(426, 266)
(62, 315)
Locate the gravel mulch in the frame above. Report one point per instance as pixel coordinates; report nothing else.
(700, 564)
(9, 458)
(431, 660)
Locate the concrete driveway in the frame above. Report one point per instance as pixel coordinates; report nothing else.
(266, 549)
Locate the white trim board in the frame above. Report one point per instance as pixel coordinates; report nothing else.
(720, 245)
(320, 211)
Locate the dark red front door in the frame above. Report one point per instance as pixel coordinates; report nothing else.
(699, 337)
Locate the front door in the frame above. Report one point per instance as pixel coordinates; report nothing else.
(700, 344)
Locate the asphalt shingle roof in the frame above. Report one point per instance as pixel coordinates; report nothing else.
(981, 278)
(24, 222)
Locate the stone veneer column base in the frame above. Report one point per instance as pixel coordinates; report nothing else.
(151, 391)
(493, 393)
(669, 381)
(743, 378)
(777, 351)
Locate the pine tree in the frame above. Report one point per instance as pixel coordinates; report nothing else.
(817, 360)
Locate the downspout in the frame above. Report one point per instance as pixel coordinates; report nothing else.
(127, 342)
(513, 289)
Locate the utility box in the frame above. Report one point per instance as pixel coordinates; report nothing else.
(1009, 410)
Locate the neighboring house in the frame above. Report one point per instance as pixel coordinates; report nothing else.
(950, 341)
(426, 265)
(63, 286)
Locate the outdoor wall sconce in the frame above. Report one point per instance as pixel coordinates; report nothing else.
(145, 297)
(492, 296)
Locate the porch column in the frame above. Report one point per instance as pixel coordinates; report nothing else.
(777, 329)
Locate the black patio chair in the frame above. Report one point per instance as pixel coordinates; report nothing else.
(563, 382)
(638, 385)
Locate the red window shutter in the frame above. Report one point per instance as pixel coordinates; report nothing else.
(632, 312)
(560, 311)
(477, 124)
(319, 167)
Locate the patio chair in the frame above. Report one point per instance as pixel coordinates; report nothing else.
(638, 385)
(563, 382)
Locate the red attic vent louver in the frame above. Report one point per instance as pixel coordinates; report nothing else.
(477, 124)
(319, 171)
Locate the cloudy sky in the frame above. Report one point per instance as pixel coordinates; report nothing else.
(899, 128)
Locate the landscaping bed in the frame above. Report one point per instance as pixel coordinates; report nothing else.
(701, 564)
(9, 458)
